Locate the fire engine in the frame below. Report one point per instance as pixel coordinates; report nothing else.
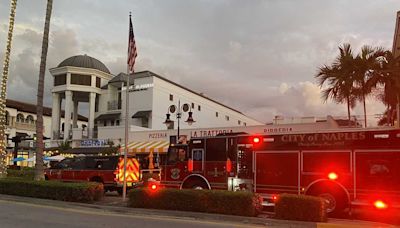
(103, 169)
(346, 168)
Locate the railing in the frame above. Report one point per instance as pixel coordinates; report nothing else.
(113, 105)
(25, 126)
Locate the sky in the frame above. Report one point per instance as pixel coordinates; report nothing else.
(259, 57)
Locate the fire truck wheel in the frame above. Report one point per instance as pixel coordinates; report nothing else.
(335, 203)
(195, 184)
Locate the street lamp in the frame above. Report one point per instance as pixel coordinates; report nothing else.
(179, 111)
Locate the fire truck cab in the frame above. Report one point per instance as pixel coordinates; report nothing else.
(352, 168)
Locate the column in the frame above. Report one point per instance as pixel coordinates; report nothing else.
(75, 114)
(67, 116)
(92, 100)
(55, 113)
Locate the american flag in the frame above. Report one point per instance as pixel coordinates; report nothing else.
(132, 52)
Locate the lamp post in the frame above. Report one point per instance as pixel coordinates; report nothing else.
(178, 111)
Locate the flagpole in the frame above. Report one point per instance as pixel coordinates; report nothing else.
(126, 121)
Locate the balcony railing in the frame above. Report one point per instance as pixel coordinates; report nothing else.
(25, 126)
(113, 105)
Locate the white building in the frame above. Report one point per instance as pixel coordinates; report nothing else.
(21, 121)
(85, 79)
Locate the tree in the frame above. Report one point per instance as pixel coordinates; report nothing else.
(387, 76)
(39, 174)
(3, 92)
(339, 78)
(366, 66)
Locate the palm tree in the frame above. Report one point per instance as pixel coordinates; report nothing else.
(339, 78)
(366, 67)
(387, 76)
(3, 92)
(39, 175)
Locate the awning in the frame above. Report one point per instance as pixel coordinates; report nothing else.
(111, 116)
(146, 147)
(142, 114)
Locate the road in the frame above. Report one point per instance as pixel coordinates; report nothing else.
(20, 215)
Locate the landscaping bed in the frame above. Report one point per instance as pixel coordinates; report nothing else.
(209, 201)
(74, 192)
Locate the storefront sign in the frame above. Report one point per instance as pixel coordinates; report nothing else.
(94, 143)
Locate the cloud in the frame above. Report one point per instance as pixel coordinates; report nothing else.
(259, 57)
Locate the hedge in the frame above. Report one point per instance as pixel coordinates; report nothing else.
(26, 173)
(209, 201)
(75, 192)
(300, 207)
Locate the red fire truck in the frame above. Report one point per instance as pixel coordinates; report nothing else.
(104, 169)
(347, 168)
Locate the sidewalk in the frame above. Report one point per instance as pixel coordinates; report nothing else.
(115, 205)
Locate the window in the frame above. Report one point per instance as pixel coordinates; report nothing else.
(171, 97)
(239, 122)
(244, 124)
(199, 108)
(216, 114)
(177, 154)
(60, 79)
(218, 145)
(145, 122)
(96, 103)
(105, 123)
(98, 82)
(80, 79)
(227, 118)
(7, 118)
(117, 123)
(192, 105)
(20, 118)
(30, 120)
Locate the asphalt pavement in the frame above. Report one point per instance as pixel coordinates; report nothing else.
(111, 212)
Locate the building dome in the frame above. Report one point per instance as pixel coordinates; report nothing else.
(84, 61)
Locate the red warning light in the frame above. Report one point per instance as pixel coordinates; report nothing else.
(153, 187)
(332, 176)
(274, 198)
(256, 140)
(379, 204)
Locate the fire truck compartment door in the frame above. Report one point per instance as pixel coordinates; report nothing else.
(198, 159)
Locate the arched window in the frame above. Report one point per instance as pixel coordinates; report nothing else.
(83, 126)
(20, 118)
(7, 118)
(30, 120)
(62, 127)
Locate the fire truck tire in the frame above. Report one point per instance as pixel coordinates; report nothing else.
(195, 184)
(335, 200)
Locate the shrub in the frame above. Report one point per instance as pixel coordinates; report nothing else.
(75, 192)
(25, 172)
(209, 201)
(300, 207)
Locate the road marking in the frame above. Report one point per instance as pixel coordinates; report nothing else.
(142, 216)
